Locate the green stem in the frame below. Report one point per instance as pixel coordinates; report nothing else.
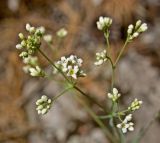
(121, 52)
(113, 71)
(112, 64)
(107, 39)
(113, 76)
(50, 61)
(90, 98)
(75, 87)
(105, 117)
(98, 121)
(112, 86)
(123, 112)
(122, 137)
(112, 124)
(106, 34)
(64, 91)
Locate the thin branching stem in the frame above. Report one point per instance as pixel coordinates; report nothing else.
(50, 61)
(90, 98)
(110, 60)
(103, 117)
(98, 121)
(62, 93)
(121, 52)
(75, 87)
(113, 78)
(106, 35)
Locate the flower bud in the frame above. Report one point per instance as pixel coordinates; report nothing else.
(135, 105)
(28, 27)
(114, 95)
(135, 34)
(138, 23)
(18, 46)
(104, 22)
(23, 43)
(130, 29)
(32, 30)
(21, 36)
(23, 54)
(62, 33)
(48, 38)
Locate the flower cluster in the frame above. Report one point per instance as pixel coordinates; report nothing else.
(31, 60)
(71, 66)
(134, 31)
(36, 71)
(135, 105)
(32, 67)
(43, 105)
(100, 58)
(126, 125)
(114, 95)
(104, 23)
(62, 33)
(32, 42)
(29, 45)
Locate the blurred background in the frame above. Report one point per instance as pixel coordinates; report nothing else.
(138, 73)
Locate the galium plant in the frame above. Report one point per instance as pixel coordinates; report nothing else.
(70, 67)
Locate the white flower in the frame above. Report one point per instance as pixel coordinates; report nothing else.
(114, 95)
(23, 43)
(19, 46)
(99, 62)
(23, 54)
(37, 71)
(130, 26)
(28, 26)
(41, 30)
(73, 71)
(21, 36)
(43, 105)
(104, 22)
(143, 27)
(71, 66)
(32, 29)
(47, 38)
(138, 23)
(62, 33)
(131, 128)
(79, 62)
(126, 125)
(130, 29)
(26, 68)
(134, 31)
(135, 105)
(135, 34)
(31, 60)
(32, 41)
(123, 126)
(128, 118)
(100, 58)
